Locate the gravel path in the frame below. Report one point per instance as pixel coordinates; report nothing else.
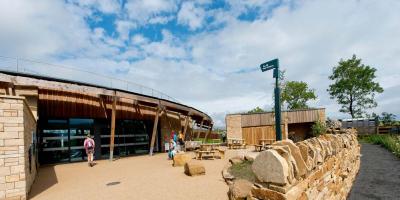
(379, 175)
(140, 177)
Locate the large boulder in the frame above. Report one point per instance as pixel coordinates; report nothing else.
(240, 190)
(270, 167)
(194, 168)
(295, 151)
(181, 158)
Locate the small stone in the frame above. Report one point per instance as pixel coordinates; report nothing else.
(181, 158)
(236, 160)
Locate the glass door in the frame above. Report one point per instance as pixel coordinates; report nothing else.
(54, 146)
(79, 129)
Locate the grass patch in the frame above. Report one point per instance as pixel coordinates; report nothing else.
(390, 142)
(243, 171)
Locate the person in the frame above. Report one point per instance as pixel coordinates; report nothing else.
(89, 147)
(172, 149)
(181, 141)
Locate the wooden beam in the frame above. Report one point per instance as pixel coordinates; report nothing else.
(113, 115)
(186, 126)
(199, 130)
(153, 135)
(208, 132)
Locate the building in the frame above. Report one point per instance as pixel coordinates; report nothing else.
(45, 120)
(252, 127)
(364, 126)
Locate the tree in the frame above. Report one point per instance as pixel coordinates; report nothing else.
(354, 87)
(387, 119)
(296, 94)
(256, 110)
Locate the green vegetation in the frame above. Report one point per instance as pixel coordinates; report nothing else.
(388, 119)
(243, 171)
(318, 128)
(256, 110)
(296, 94)
(354, 87)
(390, 142)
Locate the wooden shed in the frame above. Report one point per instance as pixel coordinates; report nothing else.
(295, 124)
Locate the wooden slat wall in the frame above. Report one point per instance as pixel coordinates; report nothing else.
(300, 116)
(251, 135)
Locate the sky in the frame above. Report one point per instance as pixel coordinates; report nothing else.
(205, 53)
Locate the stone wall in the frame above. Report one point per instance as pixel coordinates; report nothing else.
(234, 126)
(17, 128)
(318, 168)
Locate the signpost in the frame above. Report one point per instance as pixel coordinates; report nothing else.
(274, 64)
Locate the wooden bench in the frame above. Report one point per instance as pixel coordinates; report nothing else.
(258, 147)
(201, 154)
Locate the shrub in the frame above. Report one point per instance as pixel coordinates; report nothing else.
(318, 128)
(390, 142)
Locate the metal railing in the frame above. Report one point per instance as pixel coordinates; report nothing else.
(37, 68)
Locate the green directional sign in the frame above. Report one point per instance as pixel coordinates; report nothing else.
(274, 64)
(269, 65)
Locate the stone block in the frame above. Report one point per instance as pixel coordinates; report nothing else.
(194, 168)
(13, 128)
(20, 184)
(12, 178)
(13, 142)
(270, 167)
(4, 171)
(240, 190)
(265, 193)
(181, 158)
(295, 152)
(17, 169)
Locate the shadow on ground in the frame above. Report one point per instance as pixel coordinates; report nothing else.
(46, 177)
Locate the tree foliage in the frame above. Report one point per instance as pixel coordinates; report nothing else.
(296, 94)
(256, 110)
(387, 119)
(354, 87)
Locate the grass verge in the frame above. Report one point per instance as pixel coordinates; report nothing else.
(243, 171)
(390, 142)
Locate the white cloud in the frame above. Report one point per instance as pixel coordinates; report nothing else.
(215, 71)
(191, 15)
(105, 6)
(144, 10)
(123, 28)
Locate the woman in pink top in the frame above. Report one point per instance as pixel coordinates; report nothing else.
(89, 147)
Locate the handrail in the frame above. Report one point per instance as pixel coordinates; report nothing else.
(32, 67)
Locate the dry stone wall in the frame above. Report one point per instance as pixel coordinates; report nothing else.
(323, 167)
(17, 159)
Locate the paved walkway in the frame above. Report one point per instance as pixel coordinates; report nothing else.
(379, 175)
(140, 177)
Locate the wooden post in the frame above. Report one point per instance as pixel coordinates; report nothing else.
(113, 113)
(153, 135)
(201, 125)
(186, 126)
(209, 132)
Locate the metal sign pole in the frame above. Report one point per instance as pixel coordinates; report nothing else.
(274, 64)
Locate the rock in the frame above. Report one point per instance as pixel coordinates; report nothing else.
(194, 168)
(240, 189)
(303, 151)
(181, 158)
(265, 193)
(269, 167)
(295, 151)
(236, 160)
(284, 151)
(250, 156)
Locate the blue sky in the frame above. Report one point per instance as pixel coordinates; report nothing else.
(206, 53)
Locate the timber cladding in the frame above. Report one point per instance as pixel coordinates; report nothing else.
(297, 116)
(253, 127)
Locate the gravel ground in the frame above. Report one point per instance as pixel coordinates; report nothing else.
(379, 175)
(140, 177)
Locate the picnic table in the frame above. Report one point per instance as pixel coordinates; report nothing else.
(236, 143)
(262, 143)
(209, 150)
